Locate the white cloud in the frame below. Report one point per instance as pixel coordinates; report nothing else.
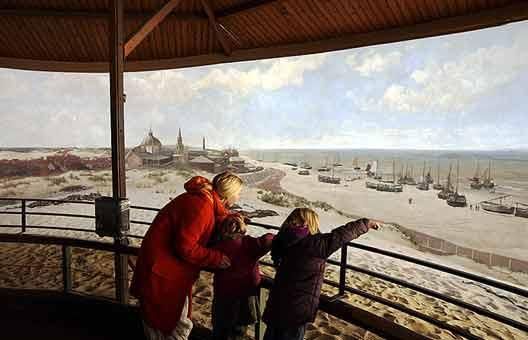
(455, 85)
(278, 74)
(372, 62)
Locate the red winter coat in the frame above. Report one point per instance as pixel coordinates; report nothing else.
(173, 252)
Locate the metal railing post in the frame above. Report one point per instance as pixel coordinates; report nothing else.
(66, 269)
(342, 269)
(23, 216)
(260, 327)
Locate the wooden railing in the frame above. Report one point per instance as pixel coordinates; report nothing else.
(333, 305)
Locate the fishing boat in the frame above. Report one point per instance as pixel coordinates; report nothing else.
(497, 207)
(455, 199)
(355, 164)
(337, 161)
(290, 164)
(428, 178)
(437, 185)
(325, 167)
(374, 171)
(447, 190)
(408, 178)
(424, 184)
(371, 185)
(389, 186)
(304, 172)
(329, 179)
(488, 182)
(475, 182)
(305, 165)
(521, 210)
(294, 168)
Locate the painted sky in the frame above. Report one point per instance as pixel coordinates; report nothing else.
(464, 91)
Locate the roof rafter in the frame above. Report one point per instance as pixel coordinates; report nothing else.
(220, 33)
(149, 26)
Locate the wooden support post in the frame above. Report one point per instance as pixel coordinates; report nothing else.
(219, 33)
(117, 135)
(66, 269)
(23, 216)
(149, 26)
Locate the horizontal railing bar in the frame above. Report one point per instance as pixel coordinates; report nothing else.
(140, 222)
(59, 214)
(60, 228)
(16, 226)
(144, 208)
(69, 241)
(446, 298)
(10, 212)
(45, 200)
(136, 236)
(474, 277)
(263, 225)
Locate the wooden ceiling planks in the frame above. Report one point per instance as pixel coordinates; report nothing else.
(75, 32)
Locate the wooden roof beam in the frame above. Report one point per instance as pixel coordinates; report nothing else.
(149, 26)
(85, 14)
(220, 32)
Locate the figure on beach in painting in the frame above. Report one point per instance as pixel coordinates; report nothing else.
(235, 290)
(300, 252)
(174, 251)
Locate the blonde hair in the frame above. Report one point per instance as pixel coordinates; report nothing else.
(303, 216)
(227, 184)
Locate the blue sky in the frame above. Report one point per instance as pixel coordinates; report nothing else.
(464, 91)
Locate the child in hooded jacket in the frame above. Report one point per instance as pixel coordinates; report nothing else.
(300, 252)
(235, 289)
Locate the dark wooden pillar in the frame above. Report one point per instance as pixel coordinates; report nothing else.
(117, 62)
(116, 98)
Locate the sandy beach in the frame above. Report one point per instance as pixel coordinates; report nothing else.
(93, 274)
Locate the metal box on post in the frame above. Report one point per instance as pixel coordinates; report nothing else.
(112, 217)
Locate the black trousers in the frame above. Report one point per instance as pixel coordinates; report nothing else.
(289, 333)
(232, 317)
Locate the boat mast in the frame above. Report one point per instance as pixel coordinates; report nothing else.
(393, 171)
(458, 169)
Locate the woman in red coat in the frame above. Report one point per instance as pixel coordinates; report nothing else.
(174, 250)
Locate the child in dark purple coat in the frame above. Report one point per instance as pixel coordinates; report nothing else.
(300, 252)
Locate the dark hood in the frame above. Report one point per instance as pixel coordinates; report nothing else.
(284, 240)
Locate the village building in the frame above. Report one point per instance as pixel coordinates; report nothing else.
(149, 153)
(203, 163)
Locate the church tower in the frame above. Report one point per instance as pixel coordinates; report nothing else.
(179, 145)
(203, 143)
